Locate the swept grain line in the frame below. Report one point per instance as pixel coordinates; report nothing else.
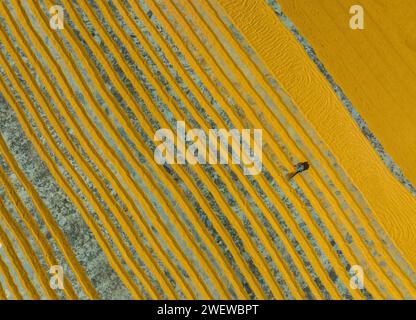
(31, 224)
(92, 174)
(131, 156)
(243, 178)
(28, 251)
(17, 264)
(273, 92)
(262, 102)
(122, 119)
(68, 190)
(9, 280)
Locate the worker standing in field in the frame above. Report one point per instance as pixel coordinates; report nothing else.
(299, 167)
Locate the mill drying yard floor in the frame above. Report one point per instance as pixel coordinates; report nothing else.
(82, 196)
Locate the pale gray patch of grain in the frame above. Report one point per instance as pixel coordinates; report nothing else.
(55, 199)
(27, 267)
(74, 164)
(15, 216)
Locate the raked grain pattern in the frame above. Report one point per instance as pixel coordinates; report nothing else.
(80, 188)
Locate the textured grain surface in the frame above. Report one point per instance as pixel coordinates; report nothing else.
(79, 186)
(375, 67)
(368, 69)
